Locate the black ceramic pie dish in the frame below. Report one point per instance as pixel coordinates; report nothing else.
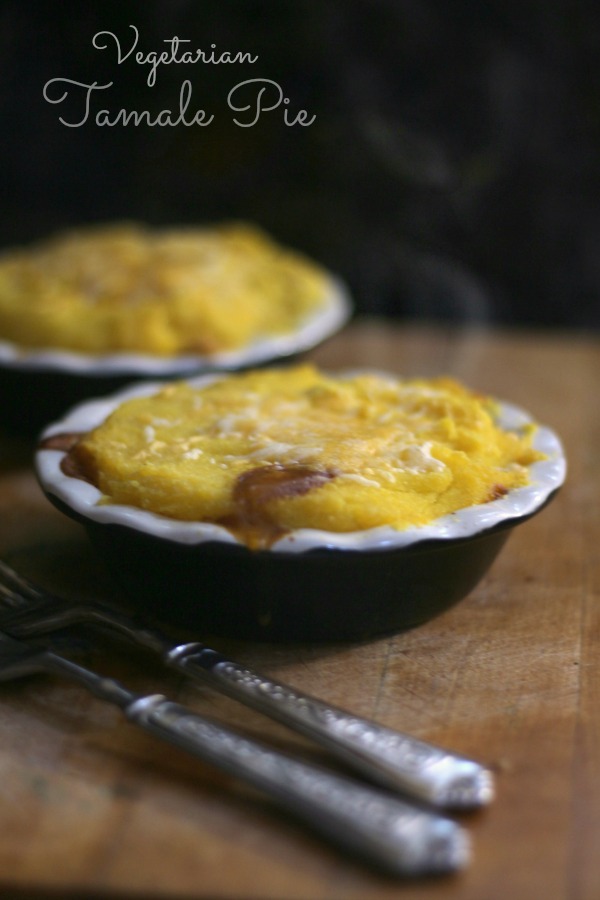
(311, 585)
(37, 386)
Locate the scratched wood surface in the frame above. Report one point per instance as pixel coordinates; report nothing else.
(511, 676)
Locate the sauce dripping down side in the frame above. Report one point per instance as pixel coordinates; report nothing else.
(255, 489)
(73, 463)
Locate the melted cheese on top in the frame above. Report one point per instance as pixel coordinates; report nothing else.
(126, 288)
(339, 454)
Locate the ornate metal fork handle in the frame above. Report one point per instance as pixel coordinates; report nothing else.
(389, 757)
(389, 833)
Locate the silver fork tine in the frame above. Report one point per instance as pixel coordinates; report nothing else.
(26, 588)
(388, 832)
(394, 759)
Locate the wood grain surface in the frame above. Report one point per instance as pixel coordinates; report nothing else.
(90, 807)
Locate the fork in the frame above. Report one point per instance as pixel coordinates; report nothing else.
(392, 834)
(390, 758)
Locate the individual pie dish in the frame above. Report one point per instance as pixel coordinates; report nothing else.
(294, 504)
(87, 311)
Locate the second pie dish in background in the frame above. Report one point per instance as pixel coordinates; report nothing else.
(87, 311)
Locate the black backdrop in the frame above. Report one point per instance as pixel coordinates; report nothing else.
(451, 172)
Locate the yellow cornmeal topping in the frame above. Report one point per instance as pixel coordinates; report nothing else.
(394, 452)
(127, 288)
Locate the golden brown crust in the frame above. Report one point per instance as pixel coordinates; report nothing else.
(270, 451)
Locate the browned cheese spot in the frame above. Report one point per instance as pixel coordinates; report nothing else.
(497, 491)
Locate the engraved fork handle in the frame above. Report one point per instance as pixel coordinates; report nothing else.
(391, 834)
(391, 758)
(394, 835)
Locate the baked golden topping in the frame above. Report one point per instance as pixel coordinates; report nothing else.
(269, 451)
(127, 288)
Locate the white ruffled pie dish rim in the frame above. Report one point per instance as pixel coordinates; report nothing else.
(546, 477)
(323, 323)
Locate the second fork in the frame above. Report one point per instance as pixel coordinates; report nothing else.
(394, 835)
(390, 758)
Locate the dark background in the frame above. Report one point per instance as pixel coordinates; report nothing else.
(452, 172)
